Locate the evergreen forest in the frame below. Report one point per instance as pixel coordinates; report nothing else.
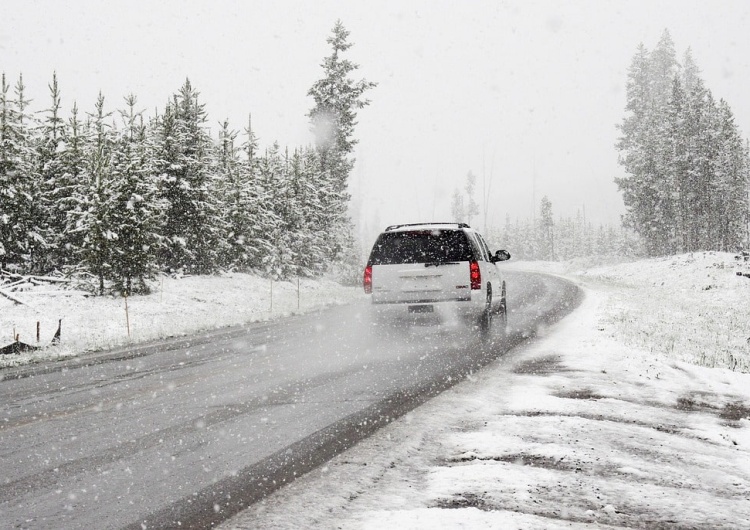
(687, 165)
(117, 197)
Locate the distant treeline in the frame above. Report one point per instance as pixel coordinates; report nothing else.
(565, 238)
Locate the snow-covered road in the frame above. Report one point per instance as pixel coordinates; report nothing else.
(606, 420)
(226, 418)
(577, 430)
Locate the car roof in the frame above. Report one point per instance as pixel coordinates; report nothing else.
(427, 226)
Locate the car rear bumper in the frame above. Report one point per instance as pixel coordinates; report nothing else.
(465, 308)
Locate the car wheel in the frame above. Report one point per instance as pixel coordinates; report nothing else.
(485, 320)
(503, 307)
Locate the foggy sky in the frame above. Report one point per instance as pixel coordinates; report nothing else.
(524, 94)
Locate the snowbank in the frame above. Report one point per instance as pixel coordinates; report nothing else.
(178, 306)
(692, 307)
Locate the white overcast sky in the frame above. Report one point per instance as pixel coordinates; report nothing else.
(526, 94)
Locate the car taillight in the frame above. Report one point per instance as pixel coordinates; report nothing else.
(475, 275)
(367, 280)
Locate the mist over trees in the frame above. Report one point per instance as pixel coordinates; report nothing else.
(563, 238)
(463, 205)
(687, 165)
(117, 196)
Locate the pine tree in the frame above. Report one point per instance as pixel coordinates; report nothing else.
(9, 181)
(730, 199)
(233, 192)
(315, 201)
(22, 240)
(472, 208)
(546, 230)
(686, 187)
(91, 217)
(678, 137)
(270, 173)
(458, 208)
(637, 156)
(134, 206)
(194, 235)
(254, 209)
(74, 192)
(333, 118)
(56, 187)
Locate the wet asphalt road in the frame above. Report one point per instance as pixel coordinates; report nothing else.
(187, 432)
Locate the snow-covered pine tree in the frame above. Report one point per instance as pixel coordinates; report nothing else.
(296, 216)
(546, 235)
(315, 198)
(633, 144)
(663, 68)
(193, 231)
(458, 208)
(73, 201)
(35, 219)
(9, 182)
(22, 240)
(236, 190)
(255, 218)
(90, 220)
(333, 118)
(56, 187)
(472, 208)
(678, 138)
(135, 208)
(730, 202)
(270, 174)
(645, 148)
(683, 187)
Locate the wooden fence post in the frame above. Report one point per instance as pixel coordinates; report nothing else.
(127, 315)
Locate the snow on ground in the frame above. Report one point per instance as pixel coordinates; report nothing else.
(601, 423)
(626, 414)
(178, 306)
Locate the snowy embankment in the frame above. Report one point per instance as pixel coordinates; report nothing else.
(608, 421)
(177, 306)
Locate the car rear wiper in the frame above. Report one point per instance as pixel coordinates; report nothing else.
(438, 263)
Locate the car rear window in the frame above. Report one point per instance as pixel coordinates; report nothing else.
(421, 246)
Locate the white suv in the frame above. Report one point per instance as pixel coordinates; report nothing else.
(446, 267)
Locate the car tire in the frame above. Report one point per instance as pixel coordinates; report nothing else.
(485, 320)
(503, 308)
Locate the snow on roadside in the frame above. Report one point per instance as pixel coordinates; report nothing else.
(691, 307)
(596, 424)
(178, 306)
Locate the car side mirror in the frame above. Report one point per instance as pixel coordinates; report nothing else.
(501, 255)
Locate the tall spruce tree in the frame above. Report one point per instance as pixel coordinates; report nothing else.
(254, 206)
(10, 187)
(546, 230)
(193, 231)
(92, 219)
(337, 99)
(22, 241)
(75, 182)
(233, 193)
(134, 206)
(56, 187)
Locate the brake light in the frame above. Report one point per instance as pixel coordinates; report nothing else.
(367, 279)
(475, 275)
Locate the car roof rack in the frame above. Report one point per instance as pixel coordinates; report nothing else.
(394, 227)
